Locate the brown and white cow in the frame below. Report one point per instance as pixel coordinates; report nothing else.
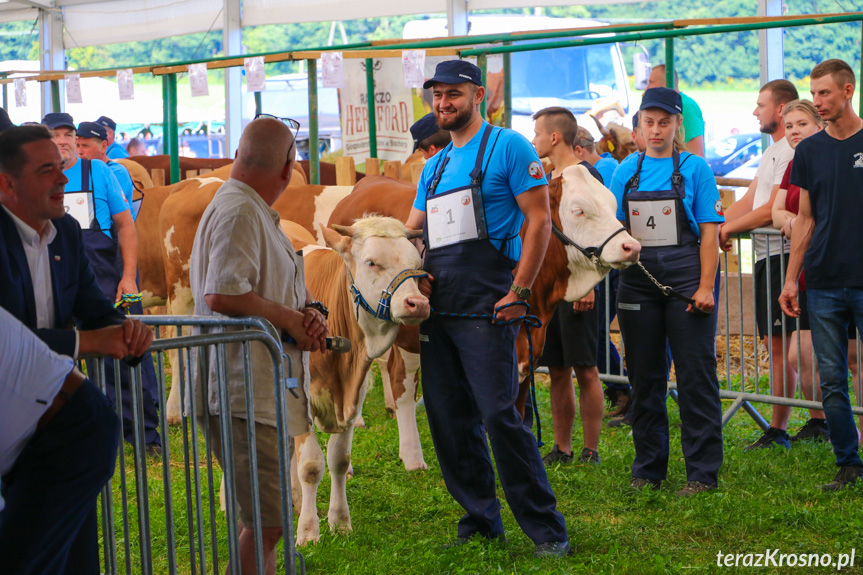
(586, 212)
(371, 253)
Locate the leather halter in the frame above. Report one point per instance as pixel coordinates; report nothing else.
(591, 253)
(383, 310)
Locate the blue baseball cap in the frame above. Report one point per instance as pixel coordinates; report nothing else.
(107, 122)
(662, 98)
(424, 128)
(92, 130)
(635, 120)
(58, 120)
(5, 122)
(455, 72)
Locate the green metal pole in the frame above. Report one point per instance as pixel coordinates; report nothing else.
(669, 63)
(314, 152)
(482, 62)
(507, 89)
(4, 75)
(55, 95)
(370, 96)
(258, 105)
(859, 78)
(170, 132)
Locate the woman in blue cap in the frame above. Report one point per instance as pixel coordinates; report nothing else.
(669, 202)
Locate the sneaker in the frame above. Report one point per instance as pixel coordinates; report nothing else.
(640, 483)
(814, 429)
(557, 456)
(153, 450)
(847, 475)
(588, 456)
(620, 421)
(772, 437)
(695, 487)
(618, 402)
(552, 549)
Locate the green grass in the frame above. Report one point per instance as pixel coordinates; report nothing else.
(767, 500)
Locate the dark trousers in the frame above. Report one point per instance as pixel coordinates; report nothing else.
(49, 523)
(470, 382)
(647, 318)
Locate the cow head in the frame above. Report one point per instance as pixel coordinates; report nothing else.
(376, 250)
(616, 140)
(586, 211)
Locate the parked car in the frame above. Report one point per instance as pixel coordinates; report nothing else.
(731, 152)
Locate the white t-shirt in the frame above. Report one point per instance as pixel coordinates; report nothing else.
(31, 376)
(770, 171)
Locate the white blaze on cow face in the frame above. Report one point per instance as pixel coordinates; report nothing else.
(588, 216)
(376, 249)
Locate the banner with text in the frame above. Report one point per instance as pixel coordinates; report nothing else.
(393, 105)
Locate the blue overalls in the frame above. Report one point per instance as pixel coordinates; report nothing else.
(470, 382)
(670, 252)
(107, 264)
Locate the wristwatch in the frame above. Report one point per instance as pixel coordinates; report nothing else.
(320, 307)
(521, 292)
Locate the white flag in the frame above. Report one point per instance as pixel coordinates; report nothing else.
(73, 89)
(333, 70)
(198, 79)
(413, 62)
(126, 84)
(256, 79)
(20, 93)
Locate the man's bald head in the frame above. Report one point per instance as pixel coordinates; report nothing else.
(265, 144)
(265, 157)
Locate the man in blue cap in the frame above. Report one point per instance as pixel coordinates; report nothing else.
(428, 138)
(115, 150)
(472, 200)
(111, 245)
(92, 144)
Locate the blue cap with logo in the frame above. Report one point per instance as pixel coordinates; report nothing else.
(424, 128)
(92, 130)
(107, 122)
(662, 98)
(58, 120)
(635, 120)
(5, 122)
(455, 72)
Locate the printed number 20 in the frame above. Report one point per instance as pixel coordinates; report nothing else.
(449, 217)
(651, 223)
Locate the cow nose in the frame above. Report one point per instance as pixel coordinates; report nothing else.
(417, 306)
(631, 251)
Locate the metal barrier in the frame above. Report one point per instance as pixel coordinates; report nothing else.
(200, 498)
(736, 317)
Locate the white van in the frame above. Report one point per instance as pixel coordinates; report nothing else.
(580, 78)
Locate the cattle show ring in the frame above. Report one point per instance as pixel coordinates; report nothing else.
(386, 506)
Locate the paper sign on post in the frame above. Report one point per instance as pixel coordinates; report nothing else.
(333, 69)
(198, 79)
(413, 62)
(20, 93)
(126, 84)
(256, 79)
(73, 89)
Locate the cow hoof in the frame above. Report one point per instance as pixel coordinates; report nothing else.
(308, 532)
(416, 465)
(173, 419)
(359, 422)
(350, 472)
(341, 525)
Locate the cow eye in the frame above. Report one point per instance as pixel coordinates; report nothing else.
(577, 212)
(370, 263)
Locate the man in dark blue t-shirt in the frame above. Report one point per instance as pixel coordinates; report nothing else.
(828, 168)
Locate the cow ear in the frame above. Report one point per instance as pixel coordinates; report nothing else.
(344, 230)
(340, 243)
(414, 234)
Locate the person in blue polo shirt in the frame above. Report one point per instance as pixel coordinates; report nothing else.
(111, 245)
(472, 200)
(92, 145)
(669, 202)
(115, 150)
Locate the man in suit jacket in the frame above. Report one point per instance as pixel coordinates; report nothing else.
(46, 280)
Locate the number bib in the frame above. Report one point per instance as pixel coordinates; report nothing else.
(80, 206)
(452, 219)
(654, 222)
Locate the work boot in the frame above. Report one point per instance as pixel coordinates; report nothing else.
(847, 475)
(557, 456)
(552, 549)
(618, 401)
(640, 483)
(814, 429)
(625, 419)
(772, 437)
(695, 487)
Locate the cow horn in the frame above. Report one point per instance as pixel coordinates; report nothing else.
(414, 234)
(344, 230)
(599, 125)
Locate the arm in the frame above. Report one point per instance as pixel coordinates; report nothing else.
(799, 244)
(709, 254)
(696, 146)
(308, 326)
(537, 225)
(781, 216)
(128, 240)
(416, 220)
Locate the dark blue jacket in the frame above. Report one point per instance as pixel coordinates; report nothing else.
(78, 301)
